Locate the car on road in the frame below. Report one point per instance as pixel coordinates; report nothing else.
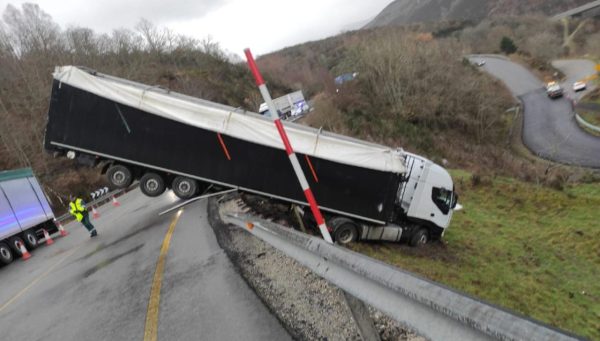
(579, 86)
(480, 63)
(554, 90)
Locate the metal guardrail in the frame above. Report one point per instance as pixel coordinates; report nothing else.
(96, 202)
(586, 124)
(430, 309)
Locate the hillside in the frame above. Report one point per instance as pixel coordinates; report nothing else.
(410, 11)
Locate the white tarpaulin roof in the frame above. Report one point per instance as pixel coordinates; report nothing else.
(233, 122)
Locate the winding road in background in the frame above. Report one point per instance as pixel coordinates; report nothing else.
(549, 127)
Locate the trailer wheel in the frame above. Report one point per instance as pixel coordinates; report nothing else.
(184, 187)
(420, 238)
(119, 176)
(6, 255)
(31, 241)
(345, 230)
(14, 244)
(152, 184)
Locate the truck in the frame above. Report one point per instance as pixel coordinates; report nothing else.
(163, 139)
(24, 212)
(554, 90)
(292, 104)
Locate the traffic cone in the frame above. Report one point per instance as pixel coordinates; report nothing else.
(115, 203)
(61, 229)
(24, 253)
(49, 240)
(95, 213)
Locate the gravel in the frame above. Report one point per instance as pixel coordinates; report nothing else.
(308, 306)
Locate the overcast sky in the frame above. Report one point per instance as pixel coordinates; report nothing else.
(262, 25)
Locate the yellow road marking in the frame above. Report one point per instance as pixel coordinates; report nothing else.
(39, 278)
(151, 329)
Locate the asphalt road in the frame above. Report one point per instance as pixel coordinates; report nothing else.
(99, 289)
(549, 127)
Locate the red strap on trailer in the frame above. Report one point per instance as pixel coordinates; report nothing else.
(224, 146)
(312, 169)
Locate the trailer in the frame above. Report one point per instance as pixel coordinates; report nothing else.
(24, 212)
(169, 140)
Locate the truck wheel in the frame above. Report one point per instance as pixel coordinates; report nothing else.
(119, 176)
(6, 255)
(14, 244)
(344, 230)
(31, 241)
(184, 187)
(420, 238)
(152, 184)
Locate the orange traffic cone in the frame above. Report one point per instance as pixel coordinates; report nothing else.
(49, 240)
(24, 253)
(61, 229)
(115, 203)
(95, 213)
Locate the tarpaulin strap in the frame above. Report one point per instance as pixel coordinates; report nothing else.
(224, 146)
(312, 169)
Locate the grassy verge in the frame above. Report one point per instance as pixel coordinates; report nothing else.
(592, 118)
(589, 110)
(524, 247)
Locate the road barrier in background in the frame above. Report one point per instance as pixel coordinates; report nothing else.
(428, 308)
(586, 124)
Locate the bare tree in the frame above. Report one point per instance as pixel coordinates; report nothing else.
(156, 39)
(32, 29)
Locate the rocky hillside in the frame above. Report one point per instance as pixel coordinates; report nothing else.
(411, 11)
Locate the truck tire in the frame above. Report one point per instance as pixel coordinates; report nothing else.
(345, 230)
(14, 244)
(119, 176)
(152, 184)
(6, 254)
(184, 187)
(419, 238)
(31, 241)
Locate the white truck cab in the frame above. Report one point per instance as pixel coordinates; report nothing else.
(427, 196)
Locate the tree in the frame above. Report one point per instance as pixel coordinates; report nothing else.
(507, 45)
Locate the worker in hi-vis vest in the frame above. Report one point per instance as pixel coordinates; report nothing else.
(78, 210)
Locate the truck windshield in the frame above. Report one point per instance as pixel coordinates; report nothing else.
(443, 199)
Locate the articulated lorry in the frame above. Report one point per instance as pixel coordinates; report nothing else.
(168, 140)
(24, 212)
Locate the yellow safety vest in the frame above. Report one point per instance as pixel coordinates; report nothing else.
(77, 210)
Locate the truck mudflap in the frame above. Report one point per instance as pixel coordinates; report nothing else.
(391, 233)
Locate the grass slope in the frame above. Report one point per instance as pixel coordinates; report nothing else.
(525, 247)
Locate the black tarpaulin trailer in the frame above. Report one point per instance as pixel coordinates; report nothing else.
(114, 119)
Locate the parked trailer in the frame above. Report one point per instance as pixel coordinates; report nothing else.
(169, 140)
(24, 211)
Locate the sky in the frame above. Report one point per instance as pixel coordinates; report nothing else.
(262, 25)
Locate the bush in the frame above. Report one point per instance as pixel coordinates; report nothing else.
(507, 45)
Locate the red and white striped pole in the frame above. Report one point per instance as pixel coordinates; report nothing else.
(288, 147)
